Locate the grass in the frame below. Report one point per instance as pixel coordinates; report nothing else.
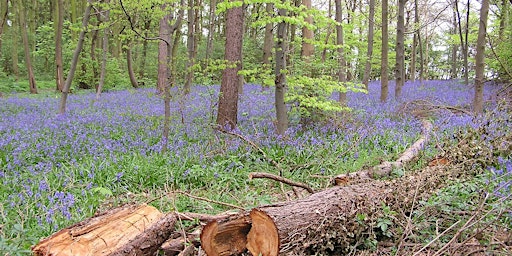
(59, 169)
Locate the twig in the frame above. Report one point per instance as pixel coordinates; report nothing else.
(466, 225)
(437, 237)
(262, 175)
(208, 200)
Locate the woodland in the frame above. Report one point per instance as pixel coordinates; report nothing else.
(257, 127)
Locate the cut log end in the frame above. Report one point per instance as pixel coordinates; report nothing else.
(225, 238)
(263, 239)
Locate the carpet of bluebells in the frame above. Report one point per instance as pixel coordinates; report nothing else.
(56, 169)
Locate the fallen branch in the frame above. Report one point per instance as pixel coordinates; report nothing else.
(385, 168)
(262, 175)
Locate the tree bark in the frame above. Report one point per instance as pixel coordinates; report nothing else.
(478, 101)
(163, 64)
(190, 46)
(26, 47)
(307, 35)
(268, 40)
(228, 98)
(74, 61)
(384, 87)
(400, 49)
(142, 67)
(59, 68)
(369, 53)
(342, 69)
(131, 73)
(280, 75)
(211, 30)
(104, 52)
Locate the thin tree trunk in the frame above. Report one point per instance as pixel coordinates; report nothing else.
(369, 53)
(328, 33)
(228, 98)
(14, 52)
(74, 61)
(142, 68)
(104, 50)
(342, 99)
(400, 49)
(4, 11)
(384, 90)
(26, 47)
(131, 73)
(478, 102)
(163, 68)
(269, 37)
(414, 42)
(59, 68)
(190, 46)
(211, 30)
(280, 80)
(307, 35)
(453, 73)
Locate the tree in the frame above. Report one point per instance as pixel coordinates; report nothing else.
(307, 34)
(228, 98)
(190, 46)
(342, 74)
(464, 40)
(269, 36)
(400, 50)
(26, 47)
(163, 52)
(59, 69)
(4, 12)
(478, 101)
(104, 50)
(369, 52)
(74, 61)
(280, 73)
(384, 54)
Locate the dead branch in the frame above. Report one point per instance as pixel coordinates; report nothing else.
(385, 168)
(262, 175)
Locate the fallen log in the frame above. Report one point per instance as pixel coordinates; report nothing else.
(329, 222)
(129, 230)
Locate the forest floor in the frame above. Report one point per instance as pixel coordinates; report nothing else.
(57, 170)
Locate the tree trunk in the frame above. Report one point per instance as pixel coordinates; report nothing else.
(14, 52)
(342, 74)
(26, 47)
(190, 46)
(59, 68)
(280, 74)
(478, 102)
(104, 51)
(307, 35)
(142, 67)
(211, 30)
(384, 87)
(4, 12)
(74, 61)
(268, 41)
(328, 32)
(463, 42)
(163, 64)
(131, 73)
(400, 49)
(369, 53)
(228, 98)
(415, 41)
(453, 57)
